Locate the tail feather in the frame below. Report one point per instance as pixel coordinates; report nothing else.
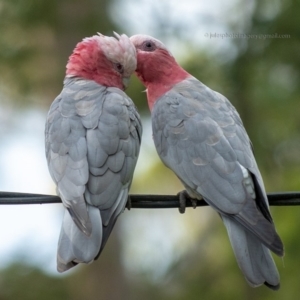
(76, 247)
(262, 229)
(79, 214)
(109, 218)
(253, 258)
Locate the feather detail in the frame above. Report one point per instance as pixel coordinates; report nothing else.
(93, 136)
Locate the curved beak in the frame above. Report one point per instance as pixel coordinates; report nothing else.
(126, 81)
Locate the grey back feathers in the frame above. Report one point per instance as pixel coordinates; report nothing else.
(200, 136)
(93, 135)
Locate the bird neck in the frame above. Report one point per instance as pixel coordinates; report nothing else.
(159, 74)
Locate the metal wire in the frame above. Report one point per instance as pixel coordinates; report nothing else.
(141, 201)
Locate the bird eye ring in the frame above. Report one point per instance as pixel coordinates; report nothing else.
(148, 46)
(119, 67)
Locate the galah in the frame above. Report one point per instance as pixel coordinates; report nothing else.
(200, 136)
(93, 135)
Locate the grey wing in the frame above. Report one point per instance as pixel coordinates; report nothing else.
(113, 148)
(71, 113)
(199, 135)
(93, 135)
(193, 133)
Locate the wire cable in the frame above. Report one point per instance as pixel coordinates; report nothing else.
(141, 201)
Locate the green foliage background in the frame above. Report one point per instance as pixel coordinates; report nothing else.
(262, 81)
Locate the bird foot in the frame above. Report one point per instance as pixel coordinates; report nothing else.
(194, 203)
(128, 204)
(183, 196)
(182, 201)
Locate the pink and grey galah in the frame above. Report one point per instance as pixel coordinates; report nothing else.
(200, 136)
(93, 135)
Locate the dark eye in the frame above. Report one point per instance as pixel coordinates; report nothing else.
(148, 46)
(119, 67)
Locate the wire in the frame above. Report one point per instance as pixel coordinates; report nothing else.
(141, 201)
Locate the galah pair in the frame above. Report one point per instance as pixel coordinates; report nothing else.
(93, 135)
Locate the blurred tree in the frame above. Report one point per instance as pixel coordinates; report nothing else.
(264, 83)
(37, 37)
(20, 281)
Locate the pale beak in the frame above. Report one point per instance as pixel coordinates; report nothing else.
(126, 81)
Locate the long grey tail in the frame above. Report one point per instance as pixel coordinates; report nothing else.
(74, 246)
(253, 258)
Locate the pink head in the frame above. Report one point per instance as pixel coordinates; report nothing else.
(156, 67)
(106, 60)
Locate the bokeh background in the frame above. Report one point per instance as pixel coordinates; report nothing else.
(234, 47)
